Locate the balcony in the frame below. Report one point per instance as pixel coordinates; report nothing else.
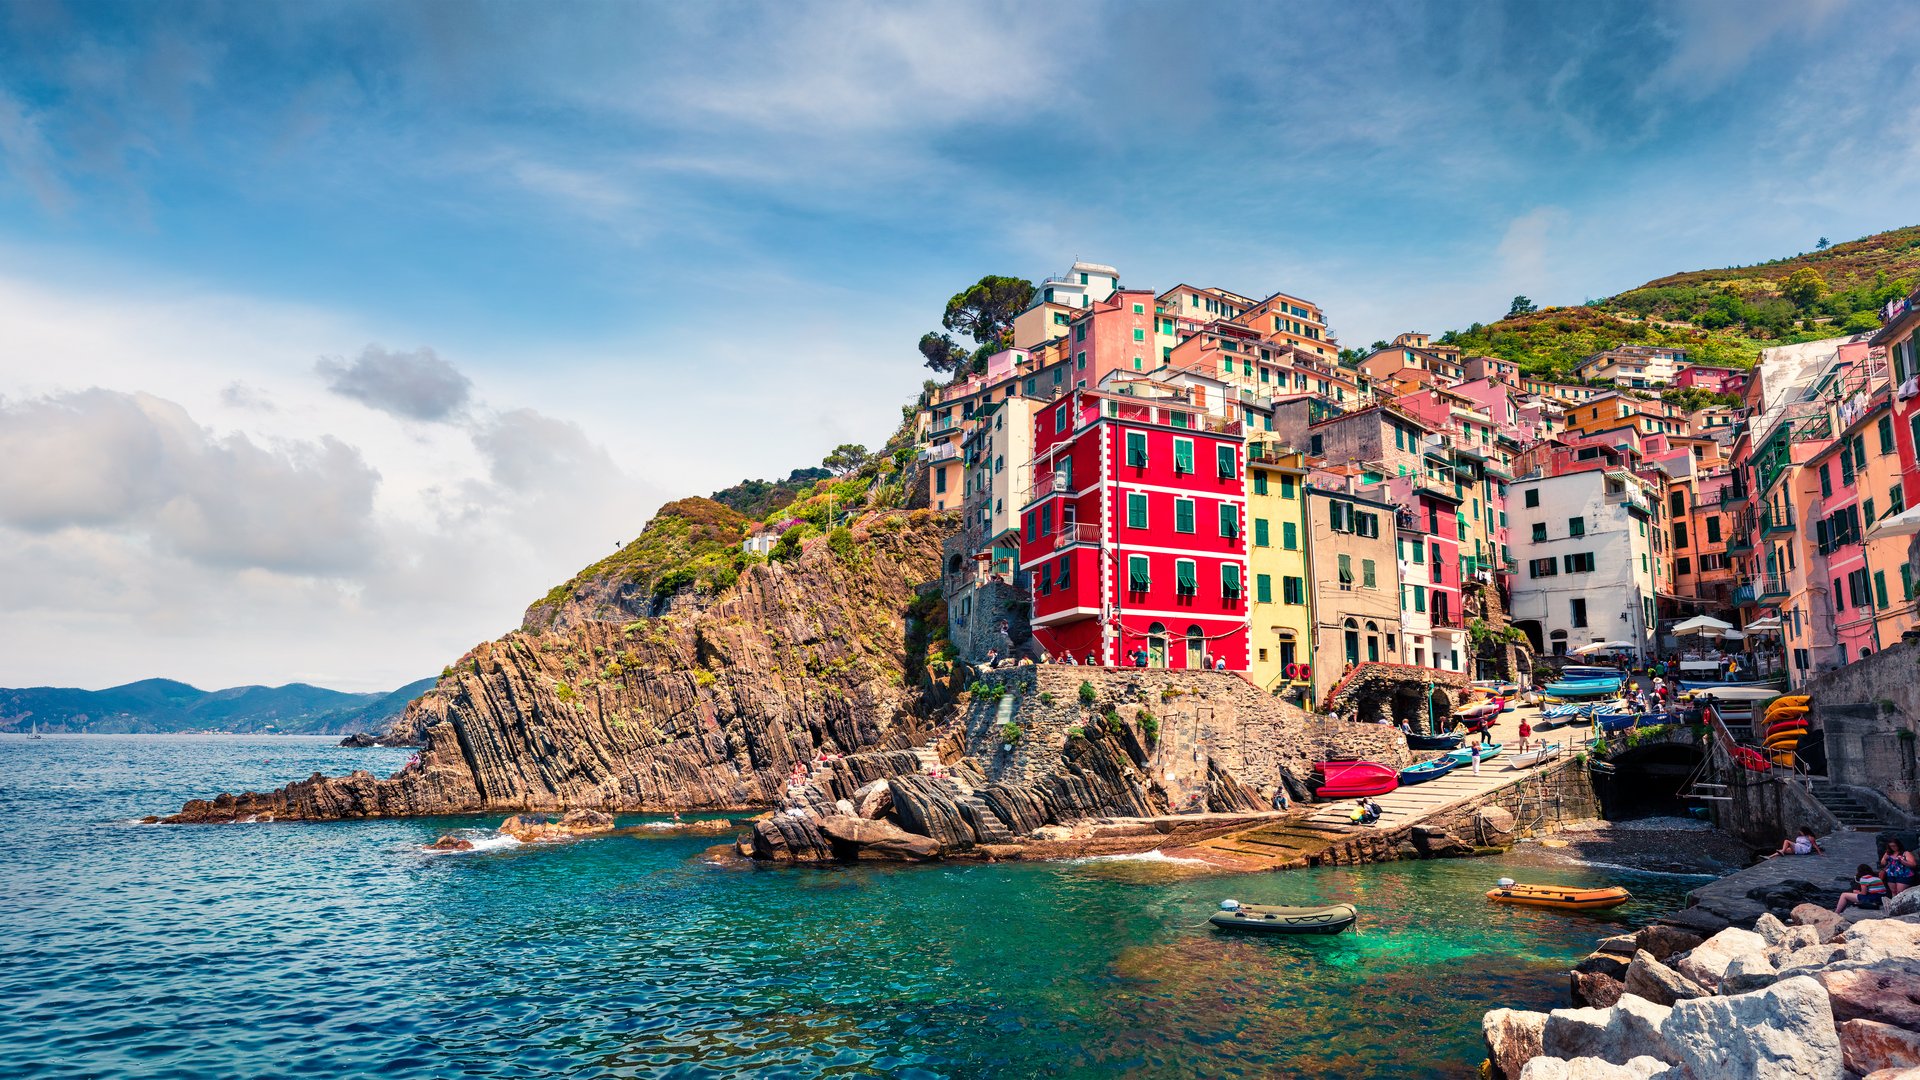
(1739, 541)
(1743, 595)
(943, 452)
(1772, 524)
(1771, 588)
(1629, 498)
(1078, 533)
(1444, 620)
(1406, 519)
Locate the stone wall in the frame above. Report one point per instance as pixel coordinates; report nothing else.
(1870, 711)
(1540, 804)
(1381, 692)
(1763, 808)
(1207, 723)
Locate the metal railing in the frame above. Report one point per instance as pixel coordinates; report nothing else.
(1077, 533)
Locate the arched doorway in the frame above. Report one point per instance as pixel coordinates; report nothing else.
(1373, 641)
(1352, 641)
(1157, 645)
(1557, 642)
(1531, 628)
(1196, 648)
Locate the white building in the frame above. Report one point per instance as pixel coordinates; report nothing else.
(1585, 559)
(1083, 286)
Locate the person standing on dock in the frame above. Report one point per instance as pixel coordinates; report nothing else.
(1476, 754)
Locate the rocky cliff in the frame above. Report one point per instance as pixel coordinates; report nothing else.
(706, 706)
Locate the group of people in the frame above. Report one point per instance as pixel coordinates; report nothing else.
(1366, 813)
(1872, 885)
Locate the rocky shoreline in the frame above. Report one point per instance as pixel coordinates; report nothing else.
(1803, 993)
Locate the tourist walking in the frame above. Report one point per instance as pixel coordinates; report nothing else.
(1897, 867)
(1476, 754)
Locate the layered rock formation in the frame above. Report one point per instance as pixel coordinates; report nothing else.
(705, 708)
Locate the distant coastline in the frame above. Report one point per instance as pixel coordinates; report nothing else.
(166, 707)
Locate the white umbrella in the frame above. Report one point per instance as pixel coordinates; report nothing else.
(1768, 625)
(1701, 624)
(1603, 646)
(1904, 523)
(1732, 635)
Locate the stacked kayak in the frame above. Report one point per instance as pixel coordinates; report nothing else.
(1262, 919)
(1561, 897)
(1428, 770)
(1464, 755)
(1786, 722)
(1352, 779)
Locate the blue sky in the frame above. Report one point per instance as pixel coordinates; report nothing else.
(639, 251)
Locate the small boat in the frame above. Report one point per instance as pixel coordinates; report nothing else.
(1495, 686)
(1577, 672)
(1464, 755)
(1262, 919)
(1612, 723)
(1528, 758)
(1754, 761)
(1427, 770)
(1433, 742)
(1598, 688)
(1482, 711)
(1802, 702)
(1565, 712)
(1787, 741)
(1561, 897)
(1776, 715)
(36, 731)
(1352, 779)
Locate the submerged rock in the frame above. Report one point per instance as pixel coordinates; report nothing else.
(538, 828)
(450, 842)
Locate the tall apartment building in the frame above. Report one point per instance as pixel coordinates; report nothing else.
(1356, 583)
(1583, 543)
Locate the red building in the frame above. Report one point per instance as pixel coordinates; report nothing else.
(1135, 531)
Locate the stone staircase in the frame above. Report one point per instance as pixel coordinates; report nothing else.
(1278, 846)
(1850, 812)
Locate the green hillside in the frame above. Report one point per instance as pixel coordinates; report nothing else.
(1721, 316)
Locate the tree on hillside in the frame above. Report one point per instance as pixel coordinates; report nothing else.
(1521, 306)
(1804, 287)
(1822, 244)
(985, 310)
(846, 458)
(942, 353)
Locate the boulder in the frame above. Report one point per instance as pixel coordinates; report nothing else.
(854, 837)
(1772, 930)
(1493, 826)
(1589, 1068)
(1807, 960)
(1630, 1028)
(926, 806)
(1821, 919)
(539, 828)
(845, 808)
(872, 800)
(1907, 903)
(1697, 919)
(1786, 895)
(1620, 944)
(1889, 994)
(1662, 941)
(1748, 973)
(788, 837)
(1437, 843)
(1879, 940)
(1708, 961)
(450, 842)
(1611, 965)
(1893, 1074)
(1659, 983)
(1595, 990)
(1513, 1037)
(1867, 1046)
(1784, 1031)
(1795, 938)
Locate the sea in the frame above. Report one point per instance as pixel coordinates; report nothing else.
(344, 950)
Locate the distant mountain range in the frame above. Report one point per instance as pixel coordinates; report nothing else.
(157, 706)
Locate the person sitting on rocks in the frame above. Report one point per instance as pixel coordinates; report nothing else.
(1869, 891)
(1897, 867)
(1803, 844)
(1280, 800)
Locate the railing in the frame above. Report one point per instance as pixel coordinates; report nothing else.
(1406, 519)
(1771, 522)
(943, 452)
(1632, 500)
(1772, 585)
(1084, 532)
(1743, 594)
(1445, 620)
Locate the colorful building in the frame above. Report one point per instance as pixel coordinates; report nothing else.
(1356, 583)
(1281, 608)
(1583, 540)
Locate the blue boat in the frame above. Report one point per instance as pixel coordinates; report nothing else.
(1427, 770)
(1614, 722)
(1464, 755)
(1433, 742)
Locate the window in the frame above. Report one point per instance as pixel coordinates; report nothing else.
(1136, 510)
(1046, 520)
(1679, 534)
(939, 481)
(1540, 568)
(1539, 530)
(1228, 460)
(1286, 487)
(1183, 515)
(1260, 534)
(1885, 427)
(1532, 497)
(1826, 482)
(1314, 446)
(1060, 419)
(1182, 455)
(1186, 577)
(1880, 588)
(1866, 512)
(1263, 588)
(1137, 449)
(1046, 579)
(1139, 334)
(1293, 590)
(1340, 516)
(1713, 526)
(1581, 562)
(1346, 571)
(1066, 572)
(1259, 483)
(1366, 575)
(1906, 582)
(1896, 500)
(1846, 464)
(1577, 526)
(1365, 524)
(1579, 611)
(1683, 565)
(1289, 536)
(1229, 520)
(1138, 579)
(1230, 581)
(1139, 309)
(1419, 598)
(1080, 332)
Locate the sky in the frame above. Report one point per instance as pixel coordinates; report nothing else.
(333, 334)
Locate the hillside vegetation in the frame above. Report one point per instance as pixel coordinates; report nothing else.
(163, 705)
(1721, 316)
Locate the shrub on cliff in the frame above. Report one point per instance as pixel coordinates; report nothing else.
(1088, 693)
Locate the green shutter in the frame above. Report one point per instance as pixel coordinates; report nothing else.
(1419, 598)
(1229, 461)
(1136, 510)
(1136, 448)
(1289, 536)
(1366, 574)
(1346, 569)
(1229, 581)
(1138, 578)
(1880, 588)
(1185, 575)
(1259, 483)
(1260, 536)
(1229, 519)
(1183, 515)
(1263, 588)
(1182, 454)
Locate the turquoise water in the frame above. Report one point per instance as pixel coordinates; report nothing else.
(341, 950)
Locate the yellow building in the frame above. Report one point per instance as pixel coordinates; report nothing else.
(1280, 618)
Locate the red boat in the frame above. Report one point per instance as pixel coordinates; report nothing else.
(1751, 758)
(1352, 779)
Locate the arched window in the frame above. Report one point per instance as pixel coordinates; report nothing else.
(1157, 645)
(1196, 648)
(1351, 625)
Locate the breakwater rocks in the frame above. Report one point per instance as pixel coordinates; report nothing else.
(709, 707)
(1817, 995)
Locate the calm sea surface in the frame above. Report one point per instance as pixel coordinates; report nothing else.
(341, 950)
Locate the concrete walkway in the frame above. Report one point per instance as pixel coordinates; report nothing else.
(1831, 871)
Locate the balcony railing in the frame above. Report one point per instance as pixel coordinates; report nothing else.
(1444, 620)
(943, 452)
(1772, 586)
(1743, 594)
(1772, 523)
(1077, 533)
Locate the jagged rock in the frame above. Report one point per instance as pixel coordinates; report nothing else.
(1907, 903)
(1594, 989)
(1226, 794)
(1875, 941)
(1438, 843)
(856, 772)
(873, 800)
(1889, 994)
(710, 705)
(1018, 807)
(860, 838)
(538, 828)
(1493, 826)
(1708, 961)
(1784, 1031)
(1793, 939)
(790, 838)
(986, 825)
(1589, 1068)
(1867, 1046)
(1808, 959)
(1789, 894)
(1663, 941)
(1893, 1074)
(450, 842)
(1513, 1038)
(1748, 973)
(1659, 983)
(1620, 945)
(808, 799)
(926, 806)
(1821, 919)
(1699, 920)
(1770, 929)
(1629, 1029)
(845, 808)
(1608, 964)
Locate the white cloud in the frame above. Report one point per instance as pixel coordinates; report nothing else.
(416, 385)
